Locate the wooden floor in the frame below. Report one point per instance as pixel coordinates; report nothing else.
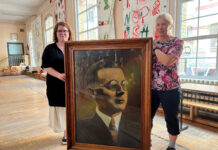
(24, 121)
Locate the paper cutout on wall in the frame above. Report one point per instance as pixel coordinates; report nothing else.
(139, 16)
(37, 40)
(59, 10)
(105, 19)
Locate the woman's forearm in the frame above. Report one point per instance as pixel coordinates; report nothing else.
(166, 60)
(55, 73)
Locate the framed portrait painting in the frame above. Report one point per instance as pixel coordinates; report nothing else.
(108, 94)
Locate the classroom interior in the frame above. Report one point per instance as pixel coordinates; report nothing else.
(27, 27)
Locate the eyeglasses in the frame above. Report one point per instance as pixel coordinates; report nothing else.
(115, 85)
(64, 31)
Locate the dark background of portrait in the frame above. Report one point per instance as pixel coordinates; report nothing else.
(128, 60)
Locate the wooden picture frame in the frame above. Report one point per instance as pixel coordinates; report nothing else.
(106, 90)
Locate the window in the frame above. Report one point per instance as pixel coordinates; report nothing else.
(199, 30)
(87, 21)
(48, 30)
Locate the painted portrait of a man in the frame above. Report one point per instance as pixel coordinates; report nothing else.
(105, 84)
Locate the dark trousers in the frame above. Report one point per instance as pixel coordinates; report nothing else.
(170, 102)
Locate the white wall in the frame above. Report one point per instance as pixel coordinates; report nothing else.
(5, 36)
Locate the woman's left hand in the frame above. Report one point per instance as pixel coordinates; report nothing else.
(62, 76)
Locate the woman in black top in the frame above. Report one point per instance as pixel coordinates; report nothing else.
(53, 64)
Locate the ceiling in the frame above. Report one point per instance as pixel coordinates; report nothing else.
(18, 10)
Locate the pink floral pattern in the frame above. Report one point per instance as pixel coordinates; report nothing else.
(166, 78)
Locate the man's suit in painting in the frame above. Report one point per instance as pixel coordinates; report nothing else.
(94, 131)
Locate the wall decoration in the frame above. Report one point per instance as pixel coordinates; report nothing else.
(105, 19)
(37, 40)
(139, 16)
(60, 11)
(14, 36)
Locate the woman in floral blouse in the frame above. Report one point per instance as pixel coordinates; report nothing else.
(165, 80)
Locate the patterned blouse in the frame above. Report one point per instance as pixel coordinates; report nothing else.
(166, 78)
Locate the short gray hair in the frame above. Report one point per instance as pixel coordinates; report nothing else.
(167, 17)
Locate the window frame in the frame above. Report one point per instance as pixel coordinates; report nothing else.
(197, 38)
(77, 19)
(50, 28)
